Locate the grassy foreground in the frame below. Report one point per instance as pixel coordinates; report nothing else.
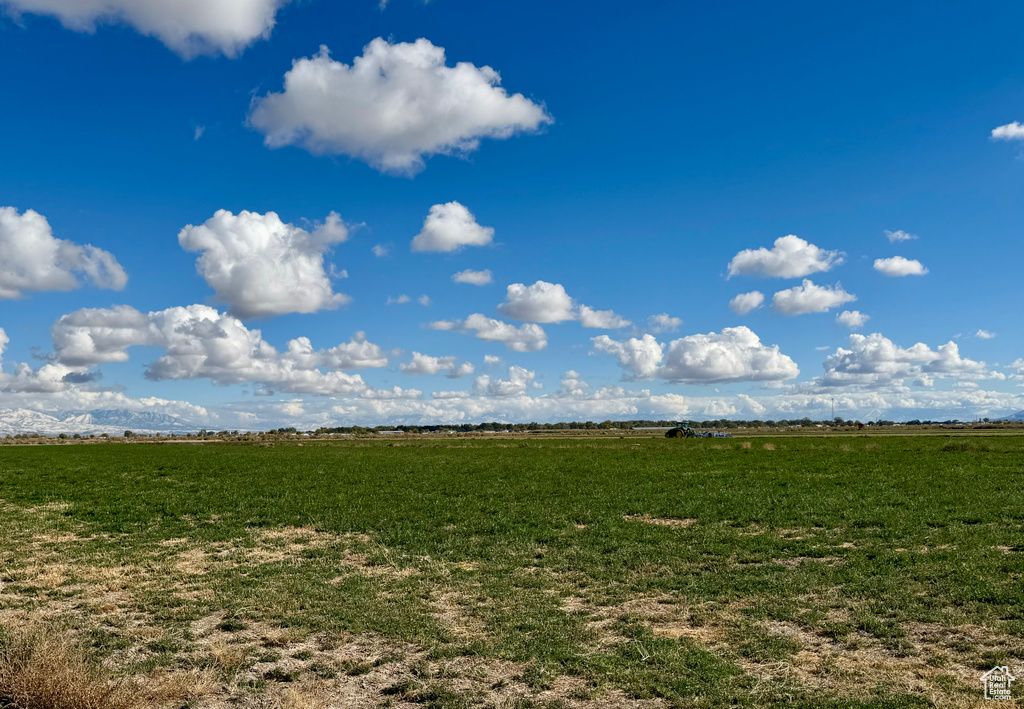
(812, 572)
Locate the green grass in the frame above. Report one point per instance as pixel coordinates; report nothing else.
(534, 556)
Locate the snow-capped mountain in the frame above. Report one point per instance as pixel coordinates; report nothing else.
(109, 421)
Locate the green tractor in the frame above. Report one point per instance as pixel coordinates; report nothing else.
(683, 430)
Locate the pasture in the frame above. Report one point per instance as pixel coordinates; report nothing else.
(848, 571)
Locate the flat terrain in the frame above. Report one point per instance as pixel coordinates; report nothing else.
(848, 571)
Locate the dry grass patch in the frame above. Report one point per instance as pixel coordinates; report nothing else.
(48, 669)
(797, 561)
(451, 610)
(163, 687)
(660, 521)
(192, 562)
(857, 666)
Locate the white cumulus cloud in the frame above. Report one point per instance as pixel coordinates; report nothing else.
(791, 257)
(476, 278)
(32, 259)
(1011, 131)
(984, 335)
(519, 383)
(638, 357)
(853, 319)
(200, 342)
(449, 227)
(745, 302)
(261, 266)
(1018, 366)
(392, 394)
(528, 337)
(189, 27)
(422, 364)
(601, 319)
(736, 354)
(549, 303)
(874, 361)
(541, 302)
(810, 298)
(899, 266)
(392, 107)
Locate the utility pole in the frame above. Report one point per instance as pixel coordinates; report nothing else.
(833, 410)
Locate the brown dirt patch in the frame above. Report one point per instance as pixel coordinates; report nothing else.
(661, 521)
(798, 561)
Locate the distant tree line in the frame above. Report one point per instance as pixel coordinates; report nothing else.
(498, 427)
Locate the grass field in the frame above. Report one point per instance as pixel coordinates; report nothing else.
(850, 571)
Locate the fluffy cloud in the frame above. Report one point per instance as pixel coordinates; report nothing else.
(1018, 367)
(897, 236)
(449, 227)
(853, 319)
(476, 278)
(984, 335)
(1011, 131)
(59, 388)
(399, 300)
(810, 298)
(261, 266)
(663, 323)
(33, 260)
(422, 364)
(200, 342)
(745, 302)
(519, 382)
(899, 266)
(542, 302)
(549, 303)
(395, 105)
(50, 378)
(876, 361)
(638, 357)
(791, 257)
(733, 355)
(601, 319)
(573, 385)
(189, 27)
(525, 338)
(507, 399)
(395, 392)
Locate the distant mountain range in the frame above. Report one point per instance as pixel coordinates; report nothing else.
(109, 421)
(1019, 416)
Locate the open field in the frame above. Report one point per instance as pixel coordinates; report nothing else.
(855, 571)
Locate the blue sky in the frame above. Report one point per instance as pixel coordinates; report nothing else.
(642, 160)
